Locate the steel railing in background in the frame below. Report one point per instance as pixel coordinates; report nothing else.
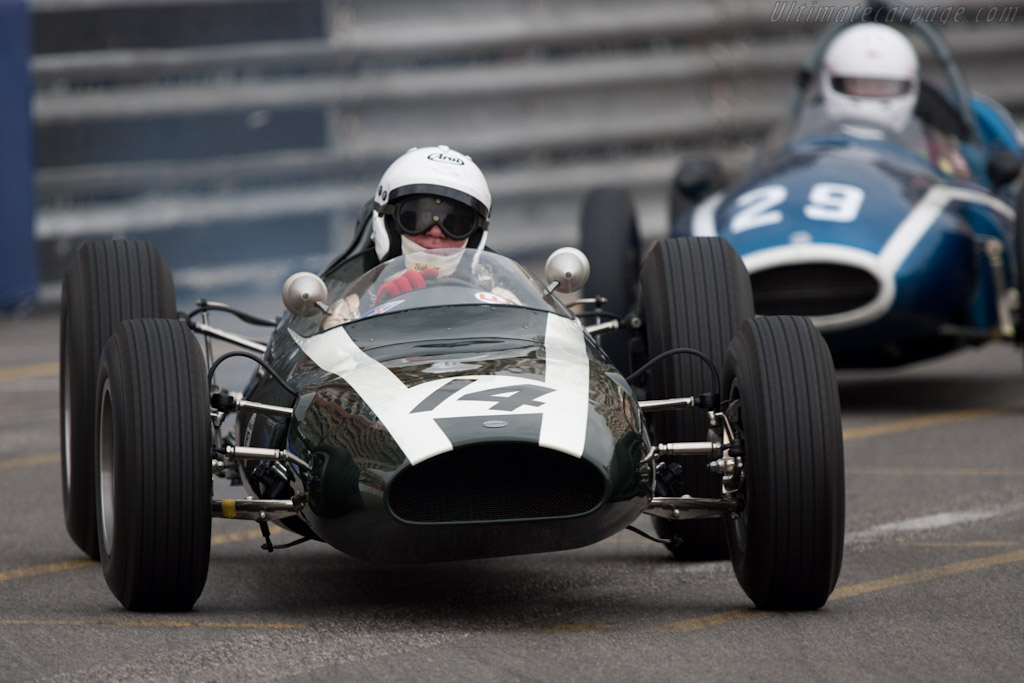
(268, 147)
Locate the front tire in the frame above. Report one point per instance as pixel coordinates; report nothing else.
(786, 543)
(106, 282)
(694, 293)
(153, 466)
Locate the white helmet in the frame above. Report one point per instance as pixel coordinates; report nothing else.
(870, 75)
(438, 172)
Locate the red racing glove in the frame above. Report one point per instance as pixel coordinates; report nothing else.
(407, 281)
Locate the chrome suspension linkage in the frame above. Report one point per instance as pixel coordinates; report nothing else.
(274, 454)
(250, 508)
(722, 461)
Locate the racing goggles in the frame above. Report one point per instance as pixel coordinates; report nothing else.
(417, 214)
(870, 87)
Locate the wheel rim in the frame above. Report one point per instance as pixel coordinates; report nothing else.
(106, 469)
(65, 387)
(738, 521)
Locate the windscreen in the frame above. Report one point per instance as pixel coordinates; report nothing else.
(437, 278)
(814, 122)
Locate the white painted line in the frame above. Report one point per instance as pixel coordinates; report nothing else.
(929, 523)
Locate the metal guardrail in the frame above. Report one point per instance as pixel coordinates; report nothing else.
(551, 99)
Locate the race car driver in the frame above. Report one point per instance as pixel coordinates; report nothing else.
(429, 198)
(870, 81)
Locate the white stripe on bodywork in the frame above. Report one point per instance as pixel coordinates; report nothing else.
(916, 224)
(567, 369)
(882, 266)
(835, 254)
(385, 394)
(702, 221)
(563, 409)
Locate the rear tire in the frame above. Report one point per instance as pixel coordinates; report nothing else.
(153, 466)
(1018, 244)
(610, 239)
(694, 292)
(106, 282)
(786, 543)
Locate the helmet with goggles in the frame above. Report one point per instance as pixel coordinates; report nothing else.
(870, 75)
(430, 186)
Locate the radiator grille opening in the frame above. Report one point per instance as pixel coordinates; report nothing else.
(812, 289)
(495, 482)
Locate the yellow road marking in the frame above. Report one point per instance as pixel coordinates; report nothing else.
(147, 623)
(709, 621)
(854, 590)
(685, 626)
(44, 569)
(943, 418)
(29, 461)
(938, 471)
(927, 574)
(219, 539)
(236, 536)
(29, 371)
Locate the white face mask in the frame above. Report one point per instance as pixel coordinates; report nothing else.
(418, 258)
(862, 132)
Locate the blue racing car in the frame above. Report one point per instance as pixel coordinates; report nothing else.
(883, 207)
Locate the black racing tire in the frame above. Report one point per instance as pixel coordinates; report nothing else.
(610, 238)
(694, 293)
(786, 543)
(153, 465)
(105, 283)
(1018, 244)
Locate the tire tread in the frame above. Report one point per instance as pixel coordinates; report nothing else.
(161, 550)
(695, 292)
(795, 498)
(106, 282)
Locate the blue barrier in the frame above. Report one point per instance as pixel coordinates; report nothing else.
(18, 271)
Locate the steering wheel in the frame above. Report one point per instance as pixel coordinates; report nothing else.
(430, 285)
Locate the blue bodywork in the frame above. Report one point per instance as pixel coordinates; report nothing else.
(899, 246)
(892, 258)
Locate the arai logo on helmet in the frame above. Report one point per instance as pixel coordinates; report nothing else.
(446, 158)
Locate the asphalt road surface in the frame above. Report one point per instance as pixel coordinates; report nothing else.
(932, 587)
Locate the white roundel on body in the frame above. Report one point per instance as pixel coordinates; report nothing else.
(492, 298)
